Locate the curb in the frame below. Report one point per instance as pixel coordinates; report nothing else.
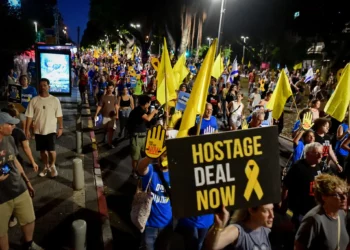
(101, 198)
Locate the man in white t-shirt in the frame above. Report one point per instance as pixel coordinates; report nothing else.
(46, 111)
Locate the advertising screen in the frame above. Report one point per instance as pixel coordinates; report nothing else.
(15, 3)
(56, 68)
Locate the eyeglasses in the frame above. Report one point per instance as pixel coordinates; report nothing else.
(341, 196)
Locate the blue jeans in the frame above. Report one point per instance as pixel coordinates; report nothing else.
(193, 237)
(123, 118)
(156, 238)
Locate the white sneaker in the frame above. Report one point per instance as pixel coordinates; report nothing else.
(44, 172)
(54, 172)
(13, 222)
(34, 246)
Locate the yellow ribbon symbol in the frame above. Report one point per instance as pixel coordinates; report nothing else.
(252, 173)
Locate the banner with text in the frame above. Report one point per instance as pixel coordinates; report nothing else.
(182, 101)
(239, 169)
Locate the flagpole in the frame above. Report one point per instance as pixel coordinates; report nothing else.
(166, 103)
(296, 107)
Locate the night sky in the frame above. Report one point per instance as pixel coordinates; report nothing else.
(75, 13)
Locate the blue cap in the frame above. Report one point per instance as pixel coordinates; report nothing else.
(6, 118)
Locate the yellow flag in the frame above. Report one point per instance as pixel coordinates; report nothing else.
(180, 70)
(133, 53)
(249, 64)
(228, 62)
(218, 67)
(165, 78)
(340, 99)
(198, 97)
(110, 51)
(96, 54)
(298, 66)
(242, 60)
(279, 96)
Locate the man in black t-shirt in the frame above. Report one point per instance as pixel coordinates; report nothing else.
(298, 185)
(215, 101)
(137, 128)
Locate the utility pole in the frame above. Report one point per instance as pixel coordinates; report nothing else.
(57, 34)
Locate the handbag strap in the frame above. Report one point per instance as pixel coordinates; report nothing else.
(235, 109)
(139, 184)
(164, 182)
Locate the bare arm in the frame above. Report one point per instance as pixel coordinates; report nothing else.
(219, 239)
(132, 102)
(150, 116)
(28, 125)
(98, 110)
(297, 137)
(118, 100)
(28, 151)
(60, 122)
(340, 133)
(345, 144)
(142, 167)
(21, 171)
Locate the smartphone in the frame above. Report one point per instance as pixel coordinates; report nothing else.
(5, 170)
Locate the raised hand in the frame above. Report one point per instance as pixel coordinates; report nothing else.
(306, 123)
(155, 142)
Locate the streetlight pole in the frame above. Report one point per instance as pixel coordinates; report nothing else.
(210, 40)
(244, 39)
(222, 10)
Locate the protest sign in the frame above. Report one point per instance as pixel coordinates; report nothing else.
(182, 101)
(15, 93)
(133, 82)
(238, 169)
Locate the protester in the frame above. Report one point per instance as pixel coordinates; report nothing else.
(250, 229)
(109, 108)
(137, 128)
(16, 191)
(324, 226)
(302, 138)
(126, 104)
(159, 224)
(27, 94)
(46, 111)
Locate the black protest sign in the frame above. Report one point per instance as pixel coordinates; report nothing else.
(14, 93)
(239, 169)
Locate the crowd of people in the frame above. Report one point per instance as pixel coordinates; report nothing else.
(314, 189)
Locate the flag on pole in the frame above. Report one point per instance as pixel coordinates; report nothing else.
(218, 67)
(133, 53)
(339, 102)
(180, 70)
(309, 75)
(279, 96)
(234, 71)
(249, 64)
(198, 97)
(286, 70)
(165, 78)
(298, 66)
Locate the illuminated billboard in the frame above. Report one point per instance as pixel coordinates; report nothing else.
(55, 66)
(15, 3)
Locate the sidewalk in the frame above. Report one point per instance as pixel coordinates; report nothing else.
(56, 203)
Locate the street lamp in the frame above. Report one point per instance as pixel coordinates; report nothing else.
(135, 25)
(210, 40)
(244, 39)
(222, 11)
(36, 27)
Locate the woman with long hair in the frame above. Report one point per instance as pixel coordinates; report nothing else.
(126, 104)
(250, 229)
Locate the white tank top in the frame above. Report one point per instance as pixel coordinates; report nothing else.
(237, 108)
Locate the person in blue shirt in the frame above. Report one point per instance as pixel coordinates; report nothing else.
(342, 154)
(194, 229)
(209, 124)
(28, 93)
(159, 224)
(301, 139)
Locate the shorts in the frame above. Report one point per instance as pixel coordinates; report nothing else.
(21, 207)
(45, 142)
(137, 147)
(108, 122)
